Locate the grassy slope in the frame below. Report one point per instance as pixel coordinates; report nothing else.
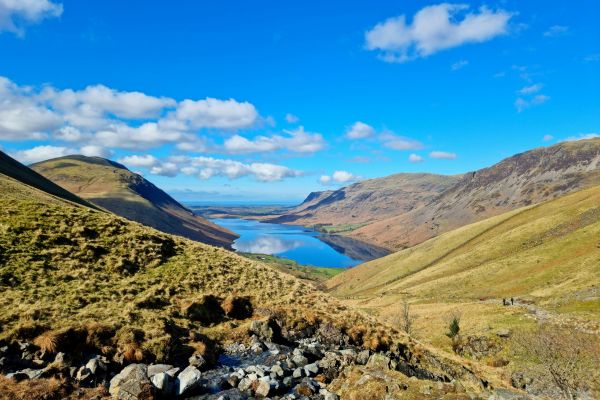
(63, 265)
(548, 254)
(115, 188)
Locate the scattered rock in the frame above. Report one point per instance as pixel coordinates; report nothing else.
(362, 358)
(187, 381)
(157, 369)
(197, 361)
(132, 383)
(503, 333)
(379, 361)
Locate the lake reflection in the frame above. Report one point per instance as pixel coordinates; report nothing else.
(297, 243)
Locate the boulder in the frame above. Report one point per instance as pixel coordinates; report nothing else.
(197, 361)
(299, 360)
(267, 330)
(378, 360)
(362, 358)
(263, 388)
(503, 333)
(157, 369)
(187, 381)
(132, 383)
(311, 369)
(163, 382)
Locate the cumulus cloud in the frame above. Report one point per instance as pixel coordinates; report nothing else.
(547, 138)
(291, 118)
(395, 142)
(338, 177)
(215, 113)
(415, 158)
(21, 117)
(360, 130)
(95, 151)
(435, 28)
(442, 155)
(297, 140)
(145, 161)
(459, 65)
(41, 153)
(557, 30)
(15, 13)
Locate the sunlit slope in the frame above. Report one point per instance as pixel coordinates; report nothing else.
(112, 186)
(549, 253)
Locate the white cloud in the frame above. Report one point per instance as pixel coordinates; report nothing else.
(415, 158)
(435, 28)
(396, 142)
(297, 140)
(583, 136)
(165, 169)
(145, 161)
(22, 118)
(13, 13)
(95, 151)
(531, 89)
(442, 155)
(325, 179)
(208, 167)
(548, 138)
(521, 104)
(145, 136)
(291, 118)
(215, 113)
(556, 30)
(459, 65)
(360, 130)
(41, 153)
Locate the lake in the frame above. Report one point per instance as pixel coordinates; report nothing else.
(303, 245)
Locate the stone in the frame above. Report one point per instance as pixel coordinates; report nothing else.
(187, 380)
(378, 360)
(163, 382)
(197, 361)
(132, 383)
(157, 369)
(264, 329)
(60, 357)
(299, 360)
(503, 333)
(233, 380)
(311, 369)
(277, 370)
(84, 374)
(245, 384)
(287, 381)
(96, 364)
(362, 358)
(297, 373)
(263, 388)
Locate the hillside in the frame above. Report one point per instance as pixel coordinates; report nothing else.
(547, 256)
(368, 201)
(112, 186)
(14, 169)
(527, 178)
(71, 274)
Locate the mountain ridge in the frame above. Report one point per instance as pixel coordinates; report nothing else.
(112, 186)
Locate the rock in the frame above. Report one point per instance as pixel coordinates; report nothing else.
(187, 380)
(163, 382)
(378, 360)
(297, 373)
(299, 360)
(157, 369)
(306, 388)
(263, 388)
(132, 383)
(245, 384)
(265, 329)
(97, 364)
(60, 357)
(362, 358)
(84, 374)
(276, 370)
(233, 380)
(287, 381)
(330, 396)
(197, 361)
(519, 380)
(311, 369)
(503, 333)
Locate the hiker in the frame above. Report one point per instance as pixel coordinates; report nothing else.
(512, 301)
(503, 302)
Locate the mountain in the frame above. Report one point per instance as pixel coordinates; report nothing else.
(368, 201)
(527, 178)
(81, 281)
(112, 186)
(14, 169)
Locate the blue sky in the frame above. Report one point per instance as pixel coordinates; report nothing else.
(269, 100)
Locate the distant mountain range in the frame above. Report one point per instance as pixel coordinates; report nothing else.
(403, 210)
(112, 186)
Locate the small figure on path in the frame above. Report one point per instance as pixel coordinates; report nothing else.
(512, 301)
(503, 302)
